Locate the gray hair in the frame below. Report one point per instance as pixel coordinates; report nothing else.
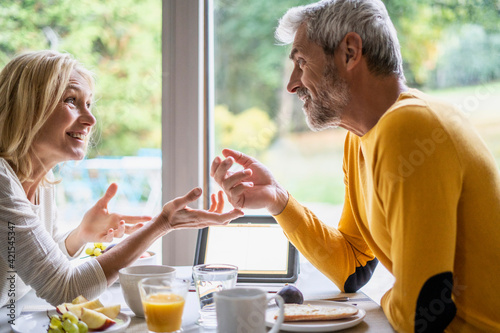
(329, 21)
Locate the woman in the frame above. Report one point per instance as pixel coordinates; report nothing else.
(46, 119)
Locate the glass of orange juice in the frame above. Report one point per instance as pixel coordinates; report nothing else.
(163, 302)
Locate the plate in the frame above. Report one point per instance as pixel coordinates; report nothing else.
(318, 326)
(39, 322)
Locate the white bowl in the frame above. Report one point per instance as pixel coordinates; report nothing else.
(146, 261)
(129, 280)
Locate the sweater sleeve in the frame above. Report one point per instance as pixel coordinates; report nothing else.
(341, 254)
(39, 262)
(417, 180)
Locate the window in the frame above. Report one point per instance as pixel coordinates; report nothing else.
(120, 41)
(450, 49)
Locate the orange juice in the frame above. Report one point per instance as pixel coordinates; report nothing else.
(163, 312)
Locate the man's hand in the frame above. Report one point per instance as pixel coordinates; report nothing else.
(176, 215)
(253, 187)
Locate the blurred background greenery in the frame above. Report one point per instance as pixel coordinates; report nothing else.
(451, 48)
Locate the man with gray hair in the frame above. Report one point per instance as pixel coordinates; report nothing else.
(422, 189)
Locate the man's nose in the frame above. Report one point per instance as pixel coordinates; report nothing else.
(294, 83)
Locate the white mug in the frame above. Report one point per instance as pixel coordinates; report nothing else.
(243, 310)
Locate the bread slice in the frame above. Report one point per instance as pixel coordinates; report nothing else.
(309, 312)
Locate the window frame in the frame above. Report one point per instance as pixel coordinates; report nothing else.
(186, 97)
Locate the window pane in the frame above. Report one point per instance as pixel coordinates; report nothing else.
(453, 54)
(120, 41)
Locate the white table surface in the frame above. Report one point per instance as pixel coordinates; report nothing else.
(311, 282)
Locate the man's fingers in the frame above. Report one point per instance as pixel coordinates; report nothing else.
(215, 164)
(182, 202)
(240, 188)
(235, 178)
(239, 157)
(110, 193)
(222, 169)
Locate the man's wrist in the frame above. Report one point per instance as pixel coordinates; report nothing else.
(280, 202)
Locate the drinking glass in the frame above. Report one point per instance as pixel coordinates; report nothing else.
(163, 301)
(208, 279)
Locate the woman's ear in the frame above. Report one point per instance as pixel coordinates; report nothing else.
(352, 47)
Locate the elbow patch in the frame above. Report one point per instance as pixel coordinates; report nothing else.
(435, 308)
(360, 277)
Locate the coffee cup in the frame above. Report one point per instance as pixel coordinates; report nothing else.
(129, 281)
(244, 310)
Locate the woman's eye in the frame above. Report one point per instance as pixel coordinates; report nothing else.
(70, 100)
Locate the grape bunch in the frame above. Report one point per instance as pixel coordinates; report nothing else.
(96, 251)
(68, 323)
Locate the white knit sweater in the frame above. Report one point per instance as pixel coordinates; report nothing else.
(34, 252)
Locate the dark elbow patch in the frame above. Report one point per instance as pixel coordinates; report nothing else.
(435, 308)
(360, 277)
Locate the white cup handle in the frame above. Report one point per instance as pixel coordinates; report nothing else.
(281, 315)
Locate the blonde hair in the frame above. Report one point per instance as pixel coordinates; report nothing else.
(31, 86)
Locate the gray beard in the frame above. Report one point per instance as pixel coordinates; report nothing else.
(326, 110)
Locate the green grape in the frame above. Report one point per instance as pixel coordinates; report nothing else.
(71, 316)
(55, 322)
(82, 327)
(73, 329)
(89, 251)
(55, 330)
(97, 252)
(66, 325)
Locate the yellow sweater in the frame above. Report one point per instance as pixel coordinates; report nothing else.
(423, 197)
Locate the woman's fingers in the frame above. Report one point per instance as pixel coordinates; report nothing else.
(131, 228)
(110, 193)
(220, 202)
(181, 202)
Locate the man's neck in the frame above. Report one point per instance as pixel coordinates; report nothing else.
(370, 99)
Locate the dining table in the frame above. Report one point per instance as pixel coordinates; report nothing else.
(313, 285)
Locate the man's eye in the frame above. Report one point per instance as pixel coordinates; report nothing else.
(301, 62)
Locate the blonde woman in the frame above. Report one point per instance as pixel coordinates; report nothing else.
(46, 119)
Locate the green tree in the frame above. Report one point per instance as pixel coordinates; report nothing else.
(120, 40)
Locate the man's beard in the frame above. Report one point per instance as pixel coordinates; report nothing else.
(326, 110)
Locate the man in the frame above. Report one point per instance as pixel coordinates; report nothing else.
(422, 190)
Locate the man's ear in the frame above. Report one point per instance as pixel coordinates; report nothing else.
(352, 47)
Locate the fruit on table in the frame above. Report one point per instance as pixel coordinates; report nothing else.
(82, 315)
(96, 320)
(110, 311)
(145, 255)
(77, 308)
(79, 299)
(96, 250)
(291, 294)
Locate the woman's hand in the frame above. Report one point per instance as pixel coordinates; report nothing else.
(176, 215)
(99, 225)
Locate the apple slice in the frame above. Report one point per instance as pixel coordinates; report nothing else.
(79, 299)
(61, 308)
(77, 308)
(110, 311)
(96, 320)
